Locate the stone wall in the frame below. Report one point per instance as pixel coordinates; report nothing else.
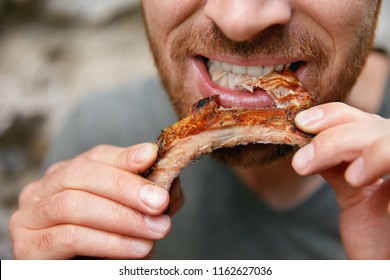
(52, 53)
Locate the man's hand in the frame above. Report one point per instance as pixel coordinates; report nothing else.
(93, 205)
(352, 152)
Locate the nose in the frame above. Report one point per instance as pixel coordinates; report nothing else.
(242, 20)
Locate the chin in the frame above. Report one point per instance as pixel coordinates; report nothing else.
(252, 155)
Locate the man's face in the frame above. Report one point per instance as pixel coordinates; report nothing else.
(325, 42)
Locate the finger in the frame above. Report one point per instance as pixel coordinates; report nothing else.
(29, 194)
(135, 158)
(85, 209)
(322, 117)
(347, 196)
(364, 221)
(105, 181)
(343, 143)
(373, 164)
(68, 241)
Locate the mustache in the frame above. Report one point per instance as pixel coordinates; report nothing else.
(279, 41)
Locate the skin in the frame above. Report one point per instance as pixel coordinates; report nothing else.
(372, 79)
(284, 32)
(97, 205)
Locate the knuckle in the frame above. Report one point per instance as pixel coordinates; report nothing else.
(75, 166)
(27, 193)
(55, 172)
(46, 241)
(65, 204)
(45, 210)
(122, 214)
(69, 237)
(58, 208)
(95, 152)
(325, 142)
(71, 171)
(137, 217)
(64, 238)
(122, 183)
(53, 169)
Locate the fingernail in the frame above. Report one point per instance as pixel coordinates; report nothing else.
(153, 196)
(309, 118)
(141, 247)
(355, 171)
(142, 152)
(303, 158)
(157, 224)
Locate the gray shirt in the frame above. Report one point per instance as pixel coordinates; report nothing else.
(221, 218)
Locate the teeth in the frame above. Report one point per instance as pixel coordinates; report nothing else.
(217, 64)
(223, 81)
(231, 82)
(279, 67)
(227, 67)
(255, 71)
(234, 76)
(239, 70)
(268, 70)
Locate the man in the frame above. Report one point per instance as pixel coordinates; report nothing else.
(97, 205)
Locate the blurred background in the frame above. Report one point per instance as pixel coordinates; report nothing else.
(52, 54)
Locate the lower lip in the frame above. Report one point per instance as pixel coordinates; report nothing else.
(229, 98)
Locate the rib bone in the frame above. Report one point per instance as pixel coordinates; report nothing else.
(209, 127)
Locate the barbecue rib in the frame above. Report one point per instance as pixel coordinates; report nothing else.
(209, 126)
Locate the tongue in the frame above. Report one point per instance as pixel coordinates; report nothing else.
(258, 99)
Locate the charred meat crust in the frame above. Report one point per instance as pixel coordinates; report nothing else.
(209, 126)
(206, 115)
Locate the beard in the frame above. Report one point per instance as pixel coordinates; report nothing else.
(330, 79)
